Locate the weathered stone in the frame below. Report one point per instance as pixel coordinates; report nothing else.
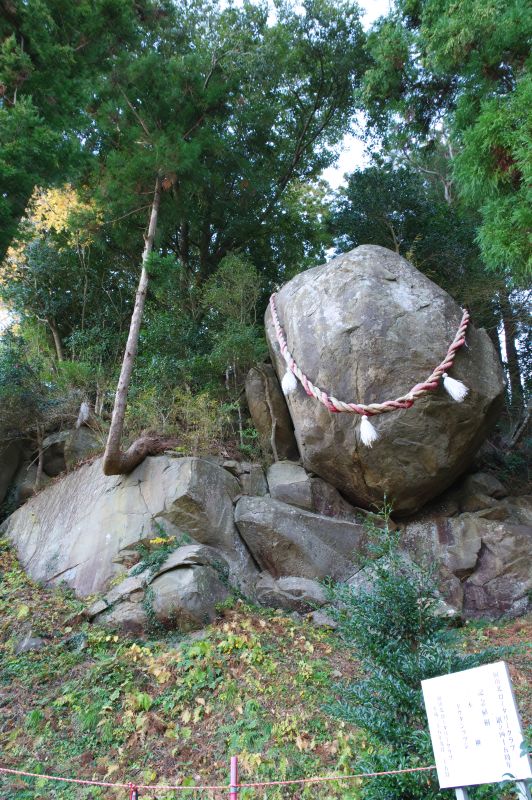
(11, 455)
(253, 481)
(81, 443)
(23, 486)
(291, 593)
(54, 453)
(250, 476)
(29, 644)
(482, 483)
(186, 598)
(127, 617)
(320, 619)
(194, 555)
(366, 327)
(290, 483)
(476, 502)
(290, 541)
(132, 585)
(72, 531)
(63, 450)
(483, 566)
(502, 581)
(269, 413)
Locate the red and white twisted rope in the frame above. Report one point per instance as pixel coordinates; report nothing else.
(405, 401)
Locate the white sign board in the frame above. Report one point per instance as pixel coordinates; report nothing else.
(475, 727)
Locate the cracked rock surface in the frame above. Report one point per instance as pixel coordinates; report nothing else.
(366, 327)
(75, 530)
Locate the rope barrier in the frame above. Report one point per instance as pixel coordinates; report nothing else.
(371, 409)
(133, 788)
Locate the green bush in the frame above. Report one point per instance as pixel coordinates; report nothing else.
(393, 625)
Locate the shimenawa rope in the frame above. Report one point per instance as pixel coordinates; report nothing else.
(455, 389)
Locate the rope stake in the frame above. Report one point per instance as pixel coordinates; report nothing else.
(368, 434)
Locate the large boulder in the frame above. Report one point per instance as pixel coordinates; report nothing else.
(269, 413)
(367, 327)
(186, 598)
(288, 541)
(75, 530)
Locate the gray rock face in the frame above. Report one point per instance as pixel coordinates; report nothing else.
(269, 413)
(74, 531)
(292, 594)
(54, 453)
(186, 598)
(290, 483)
(484, 566)
(11, 455)
(366, 327)
(288, 541)
(250, 477)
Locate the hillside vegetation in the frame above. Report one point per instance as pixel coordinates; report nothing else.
(259, 684)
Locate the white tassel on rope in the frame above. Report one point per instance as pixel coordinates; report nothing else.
(368, 434)
(456, 389)
(289, 382)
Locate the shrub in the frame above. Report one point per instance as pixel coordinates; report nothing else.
(393, 625)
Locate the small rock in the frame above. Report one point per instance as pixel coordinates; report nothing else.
(29, 644)
(483, 483)
(291, 593)
(76, 642)
(322, 620)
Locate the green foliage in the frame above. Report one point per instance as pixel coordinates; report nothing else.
(393, 623)
(52, 55)
(29, 403)
(462, 68)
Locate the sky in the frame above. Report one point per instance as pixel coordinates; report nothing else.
(352, 152)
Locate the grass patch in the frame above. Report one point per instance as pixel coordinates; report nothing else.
(100, 706)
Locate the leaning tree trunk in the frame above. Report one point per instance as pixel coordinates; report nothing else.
(116, 462)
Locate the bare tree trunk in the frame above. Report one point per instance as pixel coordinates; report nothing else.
(116, 462)
(57, 339)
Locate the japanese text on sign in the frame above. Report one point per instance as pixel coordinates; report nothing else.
(475, 727)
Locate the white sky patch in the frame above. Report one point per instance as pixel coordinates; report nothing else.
(352, 153)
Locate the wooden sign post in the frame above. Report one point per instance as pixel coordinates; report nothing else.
(476, 730)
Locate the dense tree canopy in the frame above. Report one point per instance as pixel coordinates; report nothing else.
(463, 68)
(237, 110)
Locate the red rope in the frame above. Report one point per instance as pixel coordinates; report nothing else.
(406, 401)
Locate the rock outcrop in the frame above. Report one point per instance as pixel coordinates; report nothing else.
(269, 413)
(366, 327)
(74, 531)
(95, 533)
(288, 541)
